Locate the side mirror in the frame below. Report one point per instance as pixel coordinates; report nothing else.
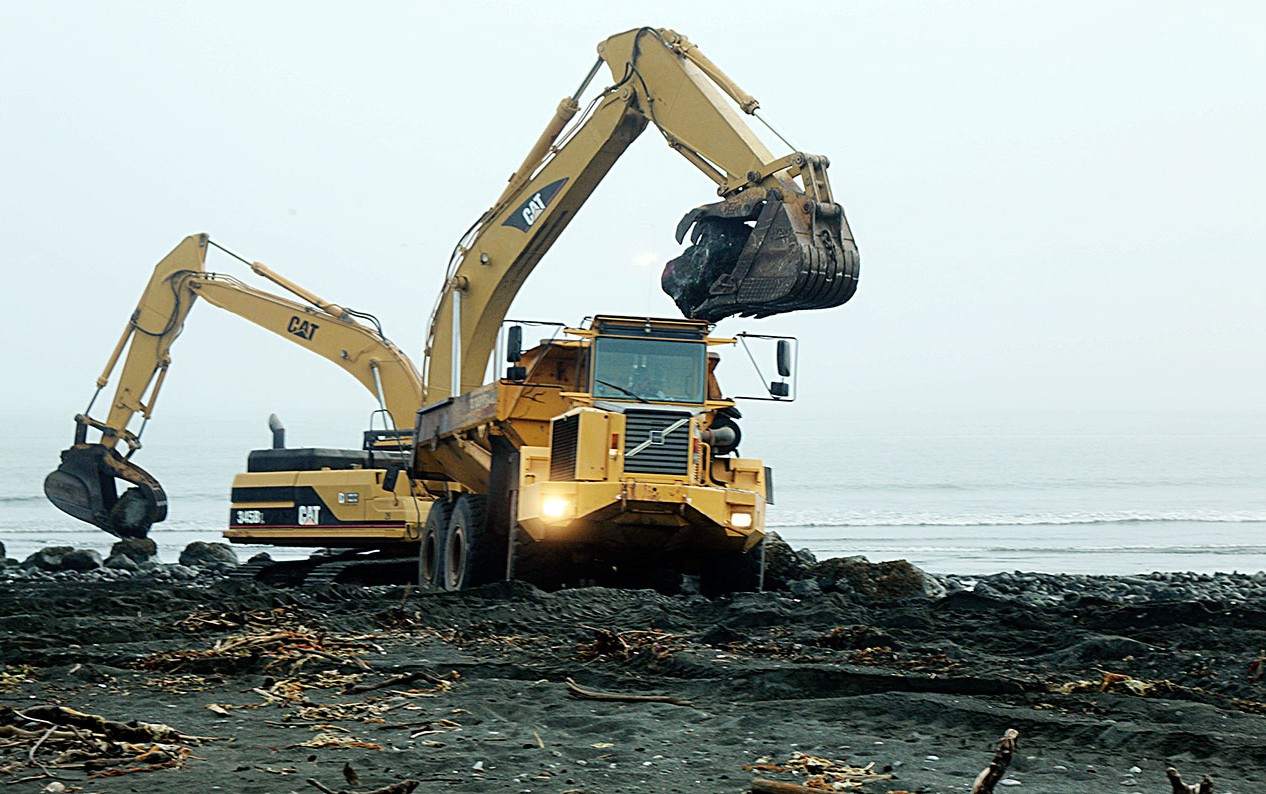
(516, 373)
(514, 344)
(390, 479)
(779, 388)
(784, 358)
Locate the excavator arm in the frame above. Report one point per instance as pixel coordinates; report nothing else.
(84, 485)
(776, 241)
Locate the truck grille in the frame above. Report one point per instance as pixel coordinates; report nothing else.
(668, 451)
(562, 448)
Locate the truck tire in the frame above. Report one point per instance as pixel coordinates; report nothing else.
(733, 572)
(470, 551)
(431, 544)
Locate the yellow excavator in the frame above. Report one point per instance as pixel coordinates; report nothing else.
(609, 453)
(613, 450)
(85, 484)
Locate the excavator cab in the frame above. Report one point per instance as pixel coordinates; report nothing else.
(762, 257)
(84, 486)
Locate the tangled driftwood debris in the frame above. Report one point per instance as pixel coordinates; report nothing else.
(91, 743)
(290, 647)
(608, 645)
(821, 774)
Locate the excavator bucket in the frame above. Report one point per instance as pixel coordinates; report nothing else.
(84, 486)
(764, 257)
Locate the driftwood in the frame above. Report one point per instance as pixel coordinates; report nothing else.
(989, 778)
(403, 787)
(135, 731)
(762, 786)
(1204, 787)
(588, 694)
(396, 680)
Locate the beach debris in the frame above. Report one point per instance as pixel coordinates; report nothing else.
(992, 774)
(328, 739)
(210, 620)
(608, 645)
(94, 744)
(402, 787)
(855, 637)
(1111, 682)
(441, 682)
(1205, 786)
(820, 774)
(577, 691)
(291, 648)
(11, 677)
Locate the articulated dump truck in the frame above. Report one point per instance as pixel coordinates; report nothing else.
(605, 455)
(609, 454)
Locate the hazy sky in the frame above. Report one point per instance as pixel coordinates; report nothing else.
(1058, 205)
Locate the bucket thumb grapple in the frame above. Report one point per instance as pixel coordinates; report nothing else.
(84, 486)
(763, 256)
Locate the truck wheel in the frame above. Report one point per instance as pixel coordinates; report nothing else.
(471, 555)
(430, 545)
(733, 572)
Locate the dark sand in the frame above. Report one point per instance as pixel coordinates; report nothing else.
(921, 688)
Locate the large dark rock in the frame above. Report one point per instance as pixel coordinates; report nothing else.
(48, 558)
(122, 562)
(782, 564)
(81, 560)
(884, 581)
(138, 549)
(201, 554)
(2, 554)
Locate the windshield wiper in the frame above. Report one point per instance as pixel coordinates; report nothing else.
(622, 390)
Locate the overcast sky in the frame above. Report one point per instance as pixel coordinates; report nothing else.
(1058, 205)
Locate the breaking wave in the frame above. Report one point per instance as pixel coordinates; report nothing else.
(1047, 519)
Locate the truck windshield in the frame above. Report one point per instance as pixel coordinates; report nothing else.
(649, 370)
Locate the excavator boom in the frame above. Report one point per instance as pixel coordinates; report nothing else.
(776, 242)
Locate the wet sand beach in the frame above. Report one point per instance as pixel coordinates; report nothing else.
(1106, 681)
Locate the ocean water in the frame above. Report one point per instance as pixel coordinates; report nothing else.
(970, 494)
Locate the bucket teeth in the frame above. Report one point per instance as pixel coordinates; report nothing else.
(84, 486)
(764, 257)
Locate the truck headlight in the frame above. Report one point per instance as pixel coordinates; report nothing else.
(555, 507)
(741, 520)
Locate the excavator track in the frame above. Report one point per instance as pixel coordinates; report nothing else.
(324, 570)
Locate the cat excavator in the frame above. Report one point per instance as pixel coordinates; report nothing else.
(607, 454)
(85, 485)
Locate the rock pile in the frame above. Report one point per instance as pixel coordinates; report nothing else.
(131, 558)
(786, 569)
(1050, 589)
